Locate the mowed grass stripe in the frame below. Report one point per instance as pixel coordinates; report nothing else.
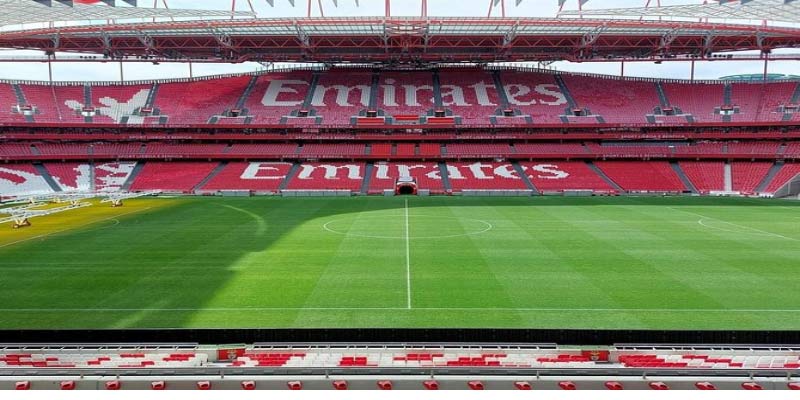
(545, 263)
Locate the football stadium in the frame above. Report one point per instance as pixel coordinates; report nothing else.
(348, 197)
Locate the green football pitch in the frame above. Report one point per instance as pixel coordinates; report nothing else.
(543, 262)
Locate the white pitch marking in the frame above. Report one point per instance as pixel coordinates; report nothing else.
(732, 224)
(68, 229)
(228, 309)
(408, 258)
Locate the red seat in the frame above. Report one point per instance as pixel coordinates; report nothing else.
(793, 385)
(567, 385)
(613, 385)
(340, 385)
(204, 385)
(158, 385)
(705, 386)
(249, 385)
(113, 385)
(475, 385)
(22, 385)
(385, 385)
(751, 386)
(431, 385)
(67, 385)
(658, 386)
(295, 385)
(522, 385)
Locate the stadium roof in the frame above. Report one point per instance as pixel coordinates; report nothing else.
(18, 12)
(770, 10)
(388, 40)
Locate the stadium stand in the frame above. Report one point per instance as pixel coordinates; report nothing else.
(470, 94)
(426, 174)
(15, 149)
(406, 96)
(275, 96)
(345, 150)
(263, 149)
(21, 180)
(700, 100)
(484, 150)
(340, 96)
(42, 99)
(63, 149)
(617, 101)
(256, 176)
(328, 176)
(172, 176)
(535, 94)
(707, 176)
(786, 173)
(484, 176)
(8, 104)
(116, 149)
(196, 102)
(549, 149)
(69, 102)
(560, 176)
(747, 175)
(181, 150)
(119, 103)
(642, 176)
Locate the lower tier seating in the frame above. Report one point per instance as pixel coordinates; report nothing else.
(707, 176)
(747, 175)
(172, 177)
(642, 176)
(328, 176)
(484, 176)
(426, 174)
(21, 180)
(786, 173)
(256, 176)
(558, 176)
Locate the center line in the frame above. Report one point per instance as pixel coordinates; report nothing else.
(408, 259)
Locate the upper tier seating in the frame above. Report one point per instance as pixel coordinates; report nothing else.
(707, 176)
(20, 180)
(340, 96)
(430, 149)
(179, 150)
(761, 148)
(484, 176)
(558, 176)
(276, 95)
(63, 149)
(546, 149)
(8, 101)
(117, 101)
(264, 149)
(333, 150)
(485, 150)
(642, 176)
(426, 174)
(535, 94)
(700, 148)
(698, 99)
(69, 101)
(256, 176)
(786, 173)
(617, 101)
(380, 149)
(406, 94)
(42, 98)
(328, 176)
(628, 150)
(196, 102)
(116, 149)
(15, 149)
(470, 94)
(792, 149)
(747, 175)
(172, 176)
(408, 149)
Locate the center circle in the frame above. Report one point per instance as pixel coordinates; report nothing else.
(379, 226)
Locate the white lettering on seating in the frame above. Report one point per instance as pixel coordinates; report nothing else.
(506, 171)
(477, 170)
(516, 92)
(277, 87)
(453, 95)
(389, 94)
(342, 95)
(411, 94)
(549, 169)
(482, 93)
(262, 171)
(353, 171)
(454, 173)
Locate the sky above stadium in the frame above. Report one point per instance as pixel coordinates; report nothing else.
(528, 8)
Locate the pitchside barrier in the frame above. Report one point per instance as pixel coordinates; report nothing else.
(499, 193)
(316, 193)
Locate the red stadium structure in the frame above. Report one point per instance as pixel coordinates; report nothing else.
(397, 106)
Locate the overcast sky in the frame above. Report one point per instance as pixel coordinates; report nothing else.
(528, 8)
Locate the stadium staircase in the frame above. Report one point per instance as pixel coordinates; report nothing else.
(500, 88)
(445, 177)
(368, 169)
(524, 176)
(47, 177)
(437, 90)
(374, 90)
(727, 91)
(134, 174)
(605, 177)
(287, 180)
(570, 100)
(210, 176)
(728, 176)
(773, 171)
(244, 97)
(685, 179)
(20, 95)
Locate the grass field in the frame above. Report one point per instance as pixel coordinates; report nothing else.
(548, 262)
